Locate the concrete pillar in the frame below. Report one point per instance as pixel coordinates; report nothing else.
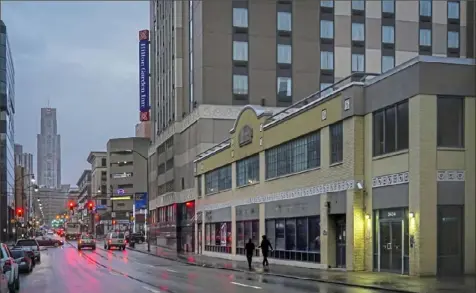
(233, 230)
(470, 187)
(355, 231)
(233, 175)
(422, 185)
(262, 221)
(328, 235)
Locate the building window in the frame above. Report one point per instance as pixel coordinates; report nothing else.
(336, 138)
(298, 155)
(218, 180)
(425, 37)
(247, 171)
(453, 40)
(327, 3)
(358, 5)
(103, 162)
(218, 237)
(388, 6)
(388, 34)
(240, 17)
(388, 62)
(199, 186)
(425, 8)
(390, 129)
(295, 238)
(240, 51)
(453, 10)
(327, 29)
(246, 230)
(358, 63)
(327, 60)
(285, 86)
(284, 21)
(284, 54)
(450, 122)
(240, 84)
(358, 32)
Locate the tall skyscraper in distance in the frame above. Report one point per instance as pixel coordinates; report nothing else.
(49, 150)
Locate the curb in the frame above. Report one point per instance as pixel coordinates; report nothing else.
(277, 275)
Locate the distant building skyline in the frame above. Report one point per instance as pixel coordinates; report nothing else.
(49, 150)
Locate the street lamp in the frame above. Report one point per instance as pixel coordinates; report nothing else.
(126, 152)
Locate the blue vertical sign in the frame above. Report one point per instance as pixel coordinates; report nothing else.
(140, 200)
(144, 71)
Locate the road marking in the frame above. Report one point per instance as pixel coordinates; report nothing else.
(115, 274)
(172, 271)
(244, 285)
(150, 289)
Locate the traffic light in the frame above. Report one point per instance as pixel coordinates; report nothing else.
(113, 221)
(19, 212)
(90, 205)
(71, 206)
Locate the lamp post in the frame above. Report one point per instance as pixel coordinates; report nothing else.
(147, 191)
(20, 178)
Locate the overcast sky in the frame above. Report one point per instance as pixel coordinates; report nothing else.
(82, 58)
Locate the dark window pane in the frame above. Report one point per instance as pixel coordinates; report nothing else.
(271, 232)
(378, 133)
(337, 146)
(290, 234)
(450, 122)
(402, 126)
(240, 240)
(280, 241)
(390, 130)
(314, 234)
(255, 232)
(301, 234)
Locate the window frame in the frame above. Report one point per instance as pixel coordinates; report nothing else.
(239, 46)
(382, 63)
(458, 39)
(357, 59)
(356, 25)
(321, 29)
(236, 20)
(245, 77)
(284, 18)
(336, 156)
(420, 37)
(461, 144)
(327, 55)
(396, 130)
(392, 41)
(289, 86)
(247, 163)
(458, 4)
(278, 55)
(393, 6)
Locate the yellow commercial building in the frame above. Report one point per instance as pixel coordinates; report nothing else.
(376, 174)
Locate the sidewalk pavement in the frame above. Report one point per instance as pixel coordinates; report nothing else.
(370, 280)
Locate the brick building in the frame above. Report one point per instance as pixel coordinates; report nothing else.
(370, 176)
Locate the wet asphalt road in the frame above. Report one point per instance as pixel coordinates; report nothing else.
(65, 270)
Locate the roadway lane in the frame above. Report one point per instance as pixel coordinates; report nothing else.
(176, 277)
(65, 270)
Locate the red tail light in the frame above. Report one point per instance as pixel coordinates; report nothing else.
(79, 241)
(109, 241)
(8, 262)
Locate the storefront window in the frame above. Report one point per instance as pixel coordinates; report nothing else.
(220, 237)
(244, 231)
(295, 238)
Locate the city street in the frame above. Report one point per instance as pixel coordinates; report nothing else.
(65, 270)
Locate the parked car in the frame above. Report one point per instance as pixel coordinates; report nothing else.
(115, 239)
(48, 241)
(29, 252)
(137, 237)
(30, 244)
(10, 268)
(25, 264)
(86, 241)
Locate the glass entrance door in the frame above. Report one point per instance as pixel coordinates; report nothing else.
(391, 246)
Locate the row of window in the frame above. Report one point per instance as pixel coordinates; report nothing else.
(390, 134)
(388, 6)
(391, 126)
(298, 155)
(240, 85)
(452, 41)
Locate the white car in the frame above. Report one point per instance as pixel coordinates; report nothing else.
(10, 268)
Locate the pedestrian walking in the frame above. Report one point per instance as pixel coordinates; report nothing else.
(250, 249)
(265, 247)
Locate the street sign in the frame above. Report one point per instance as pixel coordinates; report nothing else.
(121, 191)
(140, 200)
(113, 214)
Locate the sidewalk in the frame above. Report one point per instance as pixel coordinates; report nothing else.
(379, 281)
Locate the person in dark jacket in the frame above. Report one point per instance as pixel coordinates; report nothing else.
(265, 247)
(250, 249)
